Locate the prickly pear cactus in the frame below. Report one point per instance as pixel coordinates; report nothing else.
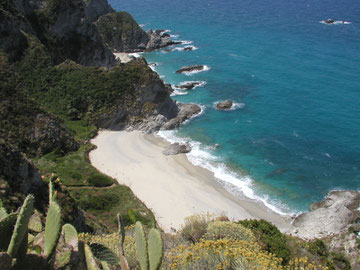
(21, 225)
(155, 246)
(141, 246)
(35, 223)
(3, 212)
(6, 229)
(121, 229)
(52, 228)
(105, 265)
(90, 260)
(71, 236)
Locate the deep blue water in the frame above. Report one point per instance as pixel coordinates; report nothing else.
(298, 135)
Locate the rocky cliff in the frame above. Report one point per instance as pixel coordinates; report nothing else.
(123, 34)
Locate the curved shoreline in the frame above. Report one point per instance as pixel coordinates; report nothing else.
(171, 186)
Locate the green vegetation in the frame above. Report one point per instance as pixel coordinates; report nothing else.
(270, 238)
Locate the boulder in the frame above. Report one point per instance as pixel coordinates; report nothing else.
(328, 217)
(158, 39)
(188, 85)
(190, 68)
(224, 105)
(177, 148)
(188, 48)
(185, 112)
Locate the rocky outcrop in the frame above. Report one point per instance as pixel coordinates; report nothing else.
(191, 68)
(224, 105)
(18, 177)
(122, 33)
(158, 39)
(188, 85)
(63, 27)
(177, 148)
(186, 111)
(328, 217)
(96, 8)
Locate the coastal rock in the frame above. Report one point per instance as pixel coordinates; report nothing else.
(328, 217)
(121, 32)
(224, 105)
(185, 112)
(188, 48)
(190, 68)
(177, 148)
(96, 8)
(158, 39)
(188, 85)
(152, 124)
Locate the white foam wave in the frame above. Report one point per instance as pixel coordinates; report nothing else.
(153, 66)
(177, 92)
(136, 55)
(234, 106)
(165, 31)
(193, 48)
(175, 36)
(185, 42)
(232, 181)
(189, 73)
(198, 84)
(335, 22)
(142, 25)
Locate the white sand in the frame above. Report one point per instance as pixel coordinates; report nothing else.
(123, 57)
(170, 186)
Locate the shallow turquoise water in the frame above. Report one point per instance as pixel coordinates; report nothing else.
(297, 135)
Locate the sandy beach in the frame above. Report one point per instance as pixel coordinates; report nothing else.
(170, 186)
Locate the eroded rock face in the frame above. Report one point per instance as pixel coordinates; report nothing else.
(329, 216)
(157, 40)
(224, 105)
(177, 148)
(97, 8)
(186, 111)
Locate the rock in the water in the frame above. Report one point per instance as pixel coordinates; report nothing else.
(224, 105)
(329, 217)
(188, 48)
(188, 85)
(176, 148)
(185, 112)
(158, 40)
(190, 68)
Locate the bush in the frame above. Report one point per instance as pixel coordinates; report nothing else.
(270, 238)
(222, 254)
(318, 247)
(228, 230)
(195, 227)
(99, 180)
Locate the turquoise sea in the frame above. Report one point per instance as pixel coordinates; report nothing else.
(294, 133)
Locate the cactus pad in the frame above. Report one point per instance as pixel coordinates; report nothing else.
(6, 229)
(35, 223)
(52, 228)
(141, 246)
(71, 236)
(90, 260)
(21, 226)
(155, 246)
(3, 212)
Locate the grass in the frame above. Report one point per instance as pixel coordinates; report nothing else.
(105, 203)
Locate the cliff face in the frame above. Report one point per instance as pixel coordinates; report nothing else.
(97, 8)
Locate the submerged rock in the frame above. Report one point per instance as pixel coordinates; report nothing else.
(177, 148)
(224, 105)
(190, 68)
(188, 85)
(328, 217)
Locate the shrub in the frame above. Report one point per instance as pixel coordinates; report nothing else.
(99, 180)
(270, 238)
(130, 252)
(228, 230)
(318, 247)
(195, 227)
(222, 254)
